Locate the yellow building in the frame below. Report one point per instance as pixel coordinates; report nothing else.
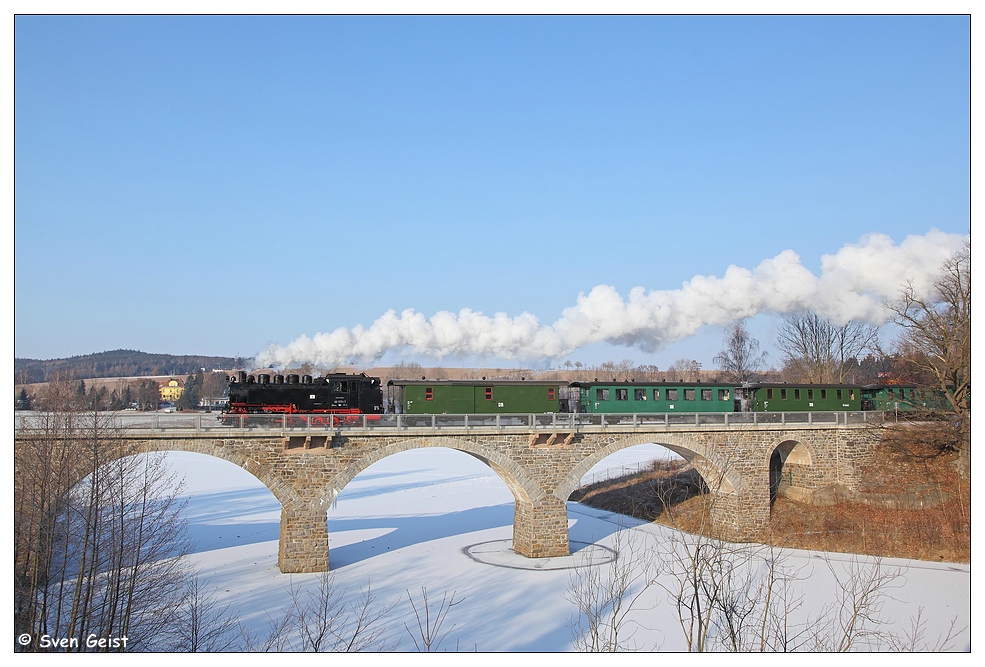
(172, 390)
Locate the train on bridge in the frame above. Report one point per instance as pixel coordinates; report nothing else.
(330, 399)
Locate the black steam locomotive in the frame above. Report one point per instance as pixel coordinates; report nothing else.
(333, 394)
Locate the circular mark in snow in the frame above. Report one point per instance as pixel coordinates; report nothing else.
(500, 553)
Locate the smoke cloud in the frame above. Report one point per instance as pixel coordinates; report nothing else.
(854, 283)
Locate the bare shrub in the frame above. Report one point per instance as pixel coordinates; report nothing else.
(923, 440)
(608, 597)
(201, 624)
(431, 618)
(318, 621)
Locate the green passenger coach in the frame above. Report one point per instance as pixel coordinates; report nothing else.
(475, 397)
(902, 398)
(654, 397)
(782, 397)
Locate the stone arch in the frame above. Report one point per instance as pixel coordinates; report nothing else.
(284, 493)
(719, 477)
(540, 527)
(524, 488)
(790, 463)
(303, 543)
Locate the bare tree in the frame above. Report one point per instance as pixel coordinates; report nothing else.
(685, 370)
(277, 638)
(854, 620)
(914, 638)
(365, 630)
(44, 467)
(607, 597)
(99, 538)
(319, 621)
(625, 367)
(430, 620)
(740, 359)
(148, 395)
(937, 327)
(214, 386)
(647, 372)
(817, 351)
(696, 566)
(200, 624)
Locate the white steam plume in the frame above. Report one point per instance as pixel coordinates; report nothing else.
(853, 285)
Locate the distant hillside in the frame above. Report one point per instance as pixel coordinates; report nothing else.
(117, 363)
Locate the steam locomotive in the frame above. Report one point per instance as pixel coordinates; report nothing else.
(327, 397)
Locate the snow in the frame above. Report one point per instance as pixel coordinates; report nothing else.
(441, 519)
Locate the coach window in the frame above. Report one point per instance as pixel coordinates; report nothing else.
(706, 394)
(824, 394)
(639, 394)
(488, 393)
(601, 394)
(550, 394)
(428, 393)
(769, 393)
(810, 394)
(838, 392)
(622, 394)
(796, 394)
(723, 394)
(656, 394)
(783, 394)
(851, 395)
(671, 394)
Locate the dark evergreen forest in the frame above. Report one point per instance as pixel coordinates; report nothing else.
(117, 363)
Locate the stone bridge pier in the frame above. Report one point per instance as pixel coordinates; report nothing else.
(303, 545)
(743, 469)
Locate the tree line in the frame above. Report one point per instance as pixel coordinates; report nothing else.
(144, 394)
(141, 395)
(116, 363)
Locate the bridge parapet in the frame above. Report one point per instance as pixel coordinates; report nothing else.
(389, 423)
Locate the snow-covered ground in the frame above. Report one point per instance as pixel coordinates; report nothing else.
(441, 520)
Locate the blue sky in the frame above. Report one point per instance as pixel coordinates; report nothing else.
(220, 185)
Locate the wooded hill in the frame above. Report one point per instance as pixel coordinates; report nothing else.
(117, 363)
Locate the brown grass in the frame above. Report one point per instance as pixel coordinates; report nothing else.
(646, 494)
(884, 519)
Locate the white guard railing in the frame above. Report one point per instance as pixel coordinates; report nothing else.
(205, 422)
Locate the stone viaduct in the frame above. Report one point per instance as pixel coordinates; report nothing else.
(741, 464)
